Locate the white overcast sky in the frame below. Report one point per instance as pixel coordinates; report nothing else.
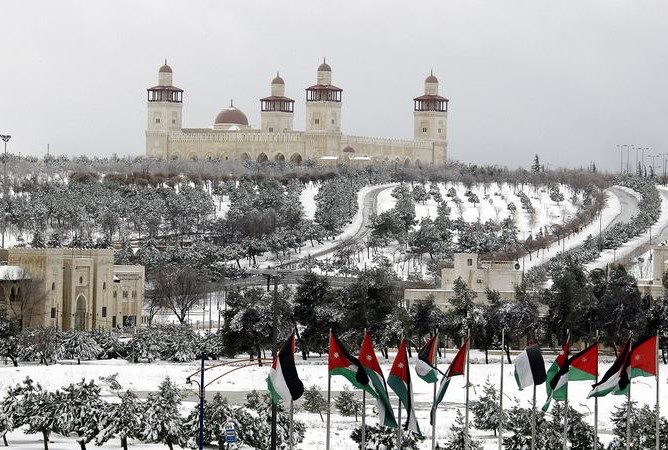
(568, 80)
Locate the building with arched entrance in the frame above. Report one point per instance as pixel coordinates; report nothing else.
(70, 288)
(231, 137)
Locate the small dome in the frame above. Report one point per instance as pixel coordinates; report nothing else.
(277, 79)
(431, 78)
(232, 115)
(348, 149)
(324, 67)
(165, 68)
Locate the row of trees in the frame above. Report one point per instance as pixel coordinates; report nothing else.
(79, 409)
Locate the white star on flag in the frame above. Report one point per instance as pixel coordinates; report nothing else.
(368, 357)
(336, 354)
(401, 365)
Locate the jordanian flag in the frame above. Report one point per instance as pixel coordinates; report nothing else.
(456, 368)
(616, 380)
(584, 365)
(557, 376)
(283, 381)
(342, 363)
(400, 382)
(425, 366)
(530, 367)
(644, 357)
(370, 363)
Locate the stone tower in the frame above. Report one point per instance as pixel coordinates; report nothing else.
(165, 104)
(323, 103)
(430, 115)
(277, 110)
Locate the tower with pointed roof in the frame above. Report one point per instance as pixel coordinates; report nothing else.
(277, 110)
(430, 117)
(165, 105)
(323, 103)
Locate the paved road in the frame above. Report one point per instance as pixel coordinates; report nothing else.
(629, 206)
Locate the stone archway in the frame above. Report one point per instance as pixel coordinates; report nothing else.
(418, 164)
(245, 157)
(296, 158)
(174, 156)
(407, 162)
(80, 313)
(262, 157)
(279, 157)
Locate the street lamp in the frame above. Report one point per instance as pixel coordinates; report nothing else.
(5, 138)
(621, 159)
(653, 156)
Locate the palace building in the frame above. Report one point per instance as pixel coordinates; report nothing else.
(231, 137)
(68, 288)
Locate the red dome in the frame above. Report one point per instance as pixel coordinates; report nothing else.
(348, 149)
(231, 115)
(165, 68)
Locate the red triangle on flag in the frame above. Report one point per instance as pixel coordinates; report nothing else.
(644, 357)
(459, 362)
(400, 365)
(368, 355)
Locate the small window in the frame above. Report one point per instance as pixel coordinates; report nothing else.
(53, 313)
(113, 321)
(157, 120)
(173, 121)
(439, 130)
(53, 286)
(104, 286)
(125, 294)
(115, 294)
(479, 281)
(469, 262)
(271, 129)
(317, 121)
(333, 121)
(424, 129)
(104, 311)
(134, 294)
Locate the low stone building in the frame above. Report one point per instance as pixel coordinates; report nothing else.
(479, 275)
(659, 263)
(70, 288)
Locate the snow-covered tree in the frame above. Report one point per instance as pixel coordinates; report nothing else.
(555, 194)
(457, 436)
(162, 421)
(643, 428)
(314, 402)
(486, 408)
(79, 409)
(35, 408)
(74, 344)
(123, 420)
(254, 420)
(380, 437)
(347, 405)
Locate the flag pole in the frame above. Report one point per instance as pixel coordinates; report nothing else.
(628, 418)
(466, 417)
(596, 401)
(533, 419)
(399, 425)
(503, 346)
(658, 416)
(363, 434)
(329, 398)
(292, 410)
(568, 338)
(363, 419)
(433, 424)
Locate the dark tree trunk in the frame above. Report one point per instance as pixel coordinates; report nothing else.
(82, 443)
(45, 435)
(124, 442)
(507, 350)
(169, 444)
(486, 355)
(4, 436)
(78, 361)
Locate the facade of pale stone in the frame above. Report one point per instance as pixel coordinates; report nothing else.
(479, 275)
(71, 288)
(231, 137)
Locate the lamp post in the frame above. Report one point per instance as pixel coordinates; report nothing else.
(5, 138)
(621, 159)
(653, 156)
(200, 384)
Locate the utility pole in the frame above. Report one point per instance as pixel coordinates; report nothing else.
(274, 344)
(5, 138)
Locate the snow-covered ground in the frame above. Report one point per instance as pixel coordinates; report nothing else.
(146, 377)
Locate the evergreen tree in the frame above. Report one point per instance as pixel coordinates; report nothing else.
(79, 409)
(555, 194)
(486, 411)
(123, 420)
(35, 408)
(314, 402)
(347, 405)
(535, 167)
(55, 240)
(517, 428)
(162, 421)
(37, 240)
(580, 433)
(75, 344)
(643, 428)
(379, 437)
(9, 336)
(457, 435)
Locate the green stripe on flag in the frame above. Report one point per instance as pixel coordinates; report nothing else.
(350, 375)
(575, 374)
(640, 373)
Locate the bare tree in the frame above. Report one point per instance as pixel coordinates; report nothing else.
(178, 289)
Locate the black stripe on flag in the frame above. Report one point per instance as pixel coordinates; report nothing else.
(287, 358)
(537, 364)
